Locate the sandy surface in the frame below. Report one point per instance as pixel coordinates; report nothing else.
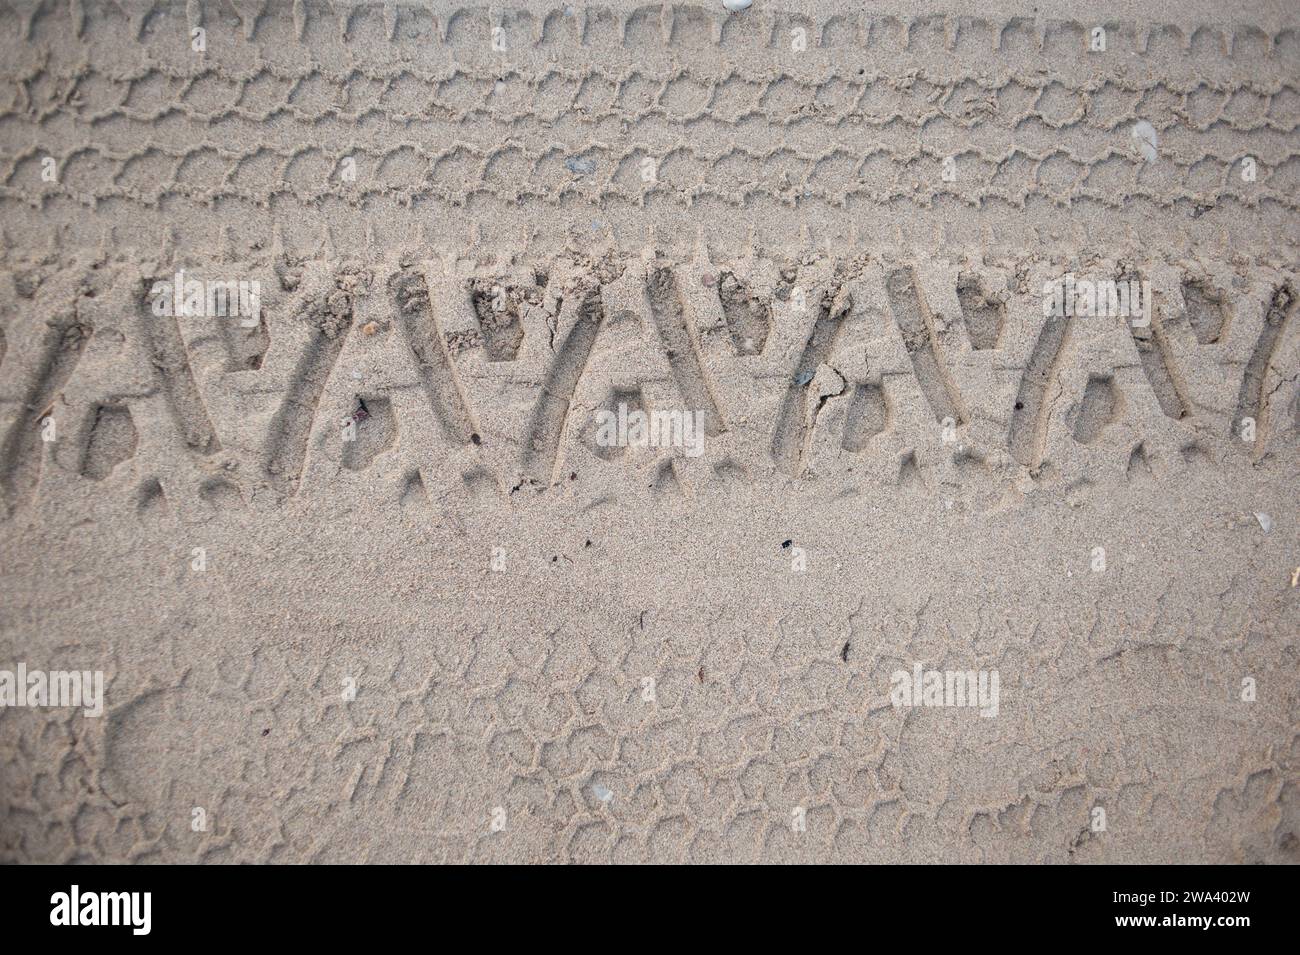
(365, 584)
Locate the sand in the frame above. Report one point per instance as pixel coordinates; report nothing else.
(366, 582)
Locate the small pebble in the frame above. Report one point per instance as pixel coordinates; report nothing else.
(601, 792)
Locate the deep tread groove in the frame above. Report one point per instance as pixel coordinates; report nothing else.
(20, 456)
(1252, 402)
(748, 318)
(286, 446)
(913, 321)
(868, 416)
(1028, 430)
(376, 432)
(793, 427)
(984, 317)
(245, 346)
(437, 371)
(552, 411)
(670, 319)
(1205, 312)
(498, 320)
(626, 396)
(176, 378)
(1154, 355)
(1097, 409)
(111, 440)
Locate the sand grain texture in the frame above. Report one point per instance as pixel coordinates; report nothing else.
(474, 227)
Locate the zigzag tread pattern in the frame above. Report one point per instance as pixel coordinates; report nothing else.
(287, 117)
(866, 371)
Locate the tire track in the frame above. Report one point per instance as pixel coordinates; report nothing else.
(913, 318)
(794, 424)
(286, 448)
(552, 412)
(64, 343)
(1252, 402)
(173, 373)
(410, 294)
(669, 315)
(1028, 431)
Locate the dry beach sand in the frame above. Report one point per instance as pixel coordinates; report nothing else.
(362, 581)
